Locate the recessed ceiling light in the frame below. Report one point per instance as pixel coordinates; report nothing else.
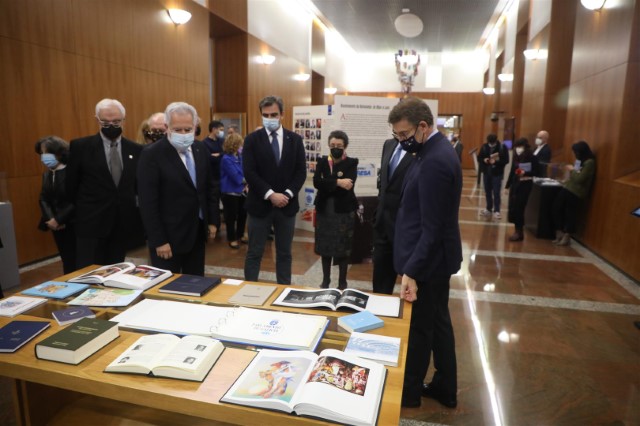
(302, 76)
(408, 25)
(330, 90)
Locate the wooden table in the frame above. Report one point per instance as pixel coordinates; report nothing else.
(47, 392)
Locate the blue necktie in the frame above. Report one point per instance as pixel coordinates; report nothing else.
(190, 166)
(393, 164)
(275, 146)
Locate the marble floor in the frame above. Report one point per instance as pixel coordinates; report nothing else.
(545, 335)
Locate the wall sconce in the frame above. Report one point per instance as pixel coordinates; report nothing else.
(489, 90)
(266, 59)
(330, 90)
(302, 77)
(533, 54)
(179, 16)
(593, 4)
(505, 77)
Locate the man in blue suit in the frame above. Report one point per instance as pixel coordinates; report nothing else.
(274, 168)
(427, 251)
(179, 199)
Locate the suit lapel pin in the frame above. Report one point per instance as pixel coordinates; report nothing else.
(131, 157)
(340, 174)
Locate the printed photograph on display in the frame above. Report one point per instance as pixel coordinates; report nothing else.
(340, 374)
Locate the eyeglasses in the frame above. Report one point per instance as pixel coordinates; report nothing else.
(403, 136)
(114, 123)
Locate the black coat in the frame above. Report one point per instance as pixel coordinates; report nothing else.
(497, 168)
(326, 183)
(54, 202)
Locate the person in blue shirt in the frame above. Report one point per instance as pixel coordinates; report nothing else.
(234, 189)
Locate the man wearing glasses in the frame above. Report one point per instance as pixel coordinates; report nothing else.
(274, 168)
(427, 251)
(101, 176)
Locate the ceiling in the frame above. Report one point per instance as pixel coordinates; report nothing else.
(449, 25)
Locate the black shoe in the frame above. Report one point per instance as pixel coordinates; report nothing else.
(411, 403)
(325, 284)
(432, 392)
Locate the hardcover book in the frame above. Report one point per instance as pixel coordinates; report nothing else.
(388, 306)
(75, 343)
(240, 325)
(360, 322)
(72, 314)
(332, 385)
(106, 297)
(383, 349)
(252, 294)
(124, 275)
(15, 305)
(190, 285)
(55, 289)
(166, 355)
(17, 333)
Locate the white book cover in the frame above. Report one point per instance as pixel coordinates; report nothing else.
(384, 349)
(15, 305)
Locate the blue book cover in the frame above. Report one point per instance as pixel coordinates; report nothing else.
(190, 285)
(72, 314)
(55, 289)
(362, 321)
(17, 333)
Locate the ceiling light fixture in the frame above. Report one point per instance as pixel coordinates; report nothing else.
(505, 77)
(302, 76)
(330, 90)
(179, 16)
(266, 59)
(533, 54)
(593, 4)
(408, 25)
(488, 90)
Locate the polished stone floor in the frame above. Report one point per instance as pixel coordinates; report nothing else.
(545, 335)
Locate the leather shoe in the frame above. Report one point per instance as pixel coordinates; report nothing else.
(429, 391)
(410, 403)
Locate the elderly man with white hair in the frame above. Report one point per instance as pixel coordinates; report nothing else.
(101, 182)
(178, 195)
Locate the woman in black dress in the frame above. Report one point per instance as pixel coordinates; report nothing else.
(519, 184)
(336, 204)
(57, 210)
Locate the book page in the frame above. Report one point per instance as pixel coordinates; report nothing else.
(272, 379)
(100, 274)
(353, 299)
(145, 352)
(188, 354)
(139, 277)
(342, 388)
(308, 298)
(386, 306)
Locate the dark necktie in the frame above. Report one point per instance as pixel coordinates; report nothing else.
(393, 164)
(114, 163)
(275, 146)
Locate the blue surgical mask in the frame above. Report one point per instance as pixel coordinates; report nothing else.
(271, 124)
(181, 141)
(221, 134)
(49, 160)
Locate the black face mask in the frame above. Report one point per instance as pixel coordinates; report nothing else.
(154, 136)
(337, 152)
(111, 132)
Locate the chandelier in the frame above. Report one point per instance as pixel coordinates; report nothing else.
(407, 62)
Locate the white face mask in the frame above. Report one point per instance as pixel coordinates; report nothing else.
(538, 141)
(181, 141)
(519, 150)
(271, 124)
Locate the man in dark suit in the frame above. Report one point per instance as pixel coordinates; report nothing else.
(178, 196)
(213, 142)
(457, 145)
(101, 182)
(394, 165)
(427, 251)
(274, 168)
(542, 152)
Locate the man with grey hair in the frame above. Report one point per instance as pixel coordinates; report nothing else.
(178, 195)
(101, 182)
(275, 170)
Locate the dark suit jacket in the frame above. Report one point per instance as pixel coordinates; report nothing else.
(100, 205)
(326, 183)
(169, 202)
(459, 147)
(544, 156)
(262, 173)
(427, 241)
(54, 202)
(389, 191)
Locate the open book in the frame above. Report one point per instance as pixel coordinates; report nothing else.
(334, 299)
(331, 385)
(166, 355)
(124, 275)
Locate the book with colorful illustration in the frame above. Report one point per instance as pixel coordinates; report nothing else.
(55, 289)
(106, 297)
(124, 275)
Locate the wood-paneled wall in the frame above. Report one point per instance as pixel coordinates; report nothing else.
(59, 58)
(469, 105)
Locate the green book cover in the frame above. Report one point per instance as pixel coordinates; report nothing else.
(78, 334)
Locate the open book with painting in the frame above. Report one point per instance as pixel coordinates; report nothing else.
(166, 355)
(334, 299)
(332, 385)
(124, 275)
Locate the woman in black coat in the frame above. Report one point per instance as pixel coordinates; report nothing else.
(57, 210)
(336, 204)
(519, 184)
